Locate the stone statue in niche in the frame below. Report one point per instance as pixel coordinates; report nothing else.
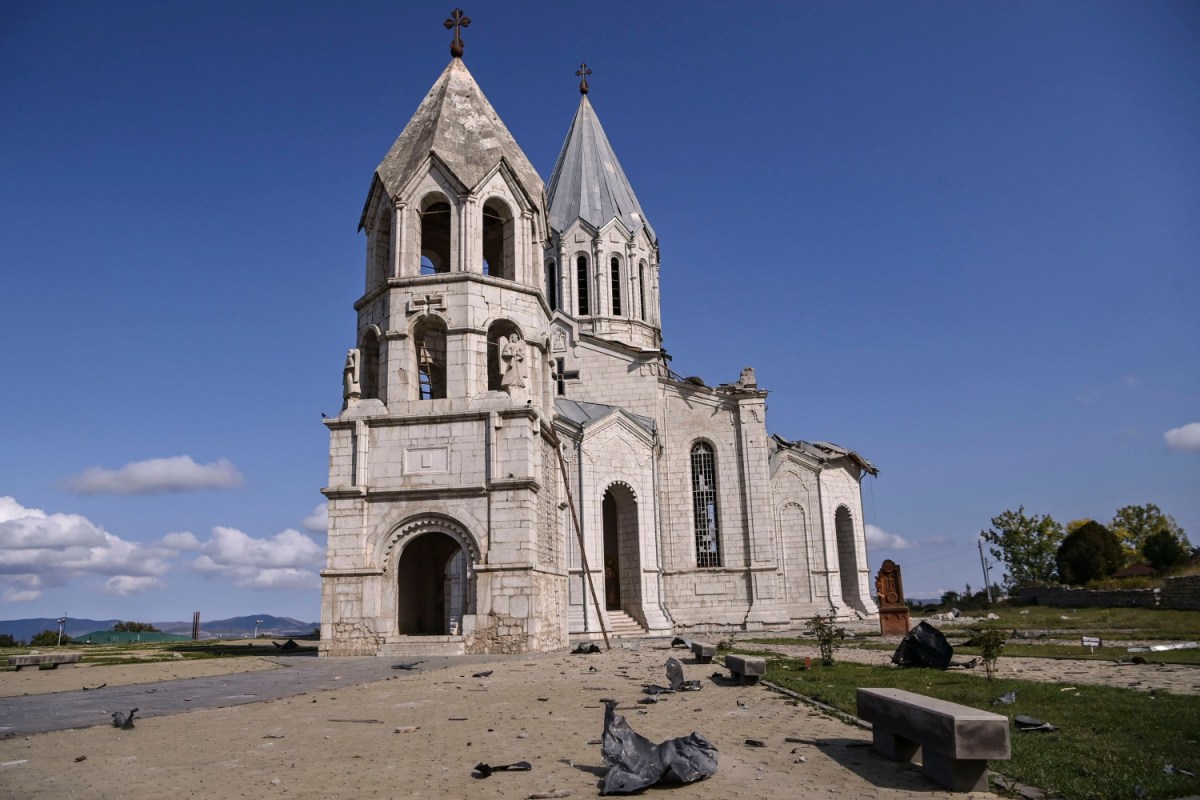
(351, 378)
(512, 359)
(747, 380)
(559, 342)
(889, 594)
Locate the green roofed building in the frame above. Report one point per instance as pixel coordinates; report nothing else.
(127, 637)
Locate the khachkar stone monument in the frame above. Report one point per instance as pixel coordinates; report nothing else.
(889, 591)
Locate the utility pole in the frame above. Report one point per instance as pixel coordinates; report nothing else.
(987, 584)
(62, 624)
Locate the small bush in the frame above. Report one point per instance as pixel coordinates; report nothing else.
(991, 643)
(827, 635)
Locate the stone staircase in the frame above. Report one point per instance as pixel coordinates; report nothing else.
(620, 626)
(410, 646)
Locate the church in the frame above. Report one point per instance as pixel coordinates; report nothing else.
(516, 465)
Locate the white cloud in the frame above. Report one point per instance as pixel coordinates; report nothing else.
(287, 560)
(39, 550)
(180, 541)
(158, 476)
(1185, 438)
(318, 520)
(23, 588)
(878, 537)
(127, 584)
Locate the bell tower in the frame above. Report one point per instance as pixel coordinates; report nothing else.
(443, 484)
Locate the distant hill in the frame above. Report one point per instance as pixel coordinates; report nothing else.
(24, 629)
(271, 625)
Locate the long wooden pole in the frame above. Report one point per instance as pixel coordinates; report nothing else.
(562, 465)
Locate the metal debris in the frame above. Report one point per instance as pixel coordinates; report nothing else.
(1027, 724)
(484, 674)
(923, 646)
(636, 763)
(487, 769)
(585, 648)
(1007, 699)
(408, 665)
(123, 722)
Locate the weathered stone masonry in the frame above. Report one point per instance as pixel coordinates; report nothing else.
(503, 327)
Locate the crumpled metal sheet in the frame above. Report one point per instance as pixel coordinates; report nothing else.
(923, 646)
(636, 763)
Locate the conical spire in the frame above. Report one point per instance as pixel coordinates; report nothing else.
(588, 182)
(457, 123)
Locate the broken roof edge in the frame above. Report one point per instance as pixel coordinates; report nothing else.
(583, 414)
(826, 452)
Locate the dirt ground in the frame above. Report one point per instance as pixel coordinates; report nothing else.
(420, 733)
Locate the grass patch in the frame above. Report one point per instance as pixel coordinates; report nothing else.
(1012, 648)
(1110, 740)
(1116, 623)
(154, 652)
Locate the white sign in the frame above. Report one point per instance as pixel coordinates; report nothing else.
(1091, 641)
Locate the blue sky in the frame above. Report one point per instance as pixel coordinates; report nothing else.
(959, 238)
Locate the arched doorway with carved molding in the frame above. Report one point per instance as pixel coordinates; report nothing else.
(433, 577)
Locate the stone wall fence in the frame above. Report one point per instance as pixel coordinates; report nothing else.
(1176, 593)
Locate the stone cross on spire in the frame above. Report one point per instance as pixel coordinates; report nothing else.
(457, 20)
(583, 72)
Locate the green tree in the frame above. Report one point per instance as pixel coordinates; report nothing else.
(1164, 551)
(1076, 524)
(1089, 552)
(135, 627)
(47, 639)
(6, 640)
(1026, 545)
(1134, 525)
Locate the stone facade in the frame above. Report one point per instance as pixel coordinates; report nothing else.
(508, 337)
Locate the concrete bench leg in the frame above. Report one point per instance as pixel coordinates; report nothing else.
(956, 774)
(889, 745)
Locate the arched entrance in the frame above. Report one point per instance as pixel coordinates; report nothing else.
(622, 556)
(433, 589)
(847, 557)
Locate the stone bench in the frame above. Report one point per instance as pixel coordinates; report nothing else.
(42, 659)
(704, 652)
(956, 741)
(747, 669)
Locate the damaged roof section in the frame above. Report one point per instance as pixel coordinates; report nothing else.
(825, 452)
(458, 124)
(584, 414)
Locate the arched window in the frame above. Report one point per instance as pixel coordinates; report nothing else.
(581, 280)
(552, 283)
(642, 289)
(435, 235)
(369, 365)
(614, 268)
(429, 342)
(498, 332)
(498, 259)
(704, 505)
